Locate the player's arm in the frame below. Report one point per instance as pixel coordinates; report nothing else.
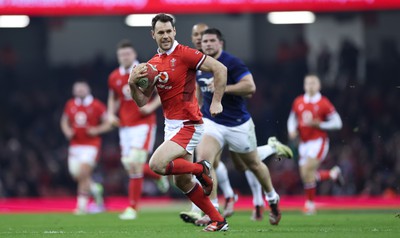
(220, 73)
(140, 96)
(292, 125)
(104, 126)
(199, 95)
(65, 127)
(333, 122)
(112, 108)
(245, 87)
(151, 106)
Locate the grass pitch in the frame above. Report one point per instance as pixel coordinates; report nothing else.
(166, 223)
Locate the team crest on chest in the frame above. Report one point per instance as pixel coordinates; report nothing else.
(172, 63)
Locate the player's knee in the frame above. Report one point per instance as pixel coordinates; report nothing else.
(157, 166)
(134, 157)
(253, 165)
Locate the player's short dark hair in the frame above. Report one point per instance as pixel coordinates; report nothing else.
(162, 17)
(214, 31)
(125, 44)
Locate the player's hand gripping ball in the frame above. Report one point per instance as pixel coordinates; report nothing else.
(149, 80)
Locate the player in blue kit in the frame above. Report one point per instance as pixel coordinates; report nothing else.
(222, 179)
(234, 126)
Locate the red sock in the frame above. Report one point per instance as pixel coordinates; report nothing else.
(310, 191)
(203, 202)
(148, 173)
(323, 175)
(135, 191)
(182, 166)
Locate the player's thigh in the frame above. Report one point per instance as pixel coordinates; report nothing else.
(250, 159)
(241, 139)
(309, 168)
(238, 162)
(81, 159)
(208, 149)
(217, 159)
(164, 154)
(85, 171)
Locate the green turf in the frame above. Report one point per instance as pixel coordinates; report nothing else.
(335, 224)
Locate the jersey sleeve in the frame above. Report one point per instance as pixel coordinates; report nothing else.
(101, 108)
(294, 105)
(237, 69)
(66, 109)
(328, 107)
(193, 58)
(110, 83)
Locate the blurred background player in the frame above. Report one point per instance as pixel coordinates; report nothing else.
(137, 128)
(176, 86)
(197, 31)
(83, 120)
(222, 179)
(234, 125)
(311, 116)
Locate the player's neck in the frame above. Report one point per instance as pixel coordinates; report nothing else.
(216, 56)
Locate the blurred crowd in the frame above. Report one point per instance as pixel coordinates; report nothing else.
(33, 151)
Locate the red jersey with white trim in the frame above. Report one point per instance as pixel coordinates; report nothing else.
(81, 116)
(128, 111)
(306, 111)
(177, 82)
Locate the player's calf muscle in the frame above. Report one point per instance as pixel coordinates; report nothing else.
(184, 182)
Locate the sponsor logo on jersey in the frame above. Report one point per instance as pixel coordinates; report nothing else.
(163, 78)
(80, 119)
(126, 91)
(207, 82)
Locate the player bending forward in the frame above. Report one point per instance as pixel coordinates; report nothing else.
(311, 116)
(176, 86)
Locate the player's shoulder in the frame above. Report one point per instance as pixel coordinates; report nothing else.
(70, 103)
(98, 102)
(299, 99)
(114, 74)
(233, 63)
(325, 100)
(156, 59)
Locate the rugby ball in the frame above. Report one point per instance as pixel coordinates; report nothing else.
(147, 81)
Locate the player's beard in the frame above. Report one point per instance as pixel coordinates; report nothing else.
(211, 52)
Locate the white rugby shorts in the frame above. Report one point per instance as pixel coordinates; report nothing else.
(185, 133)
(81, 154)
(240, 139)
(315, 149)
(140, 137)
